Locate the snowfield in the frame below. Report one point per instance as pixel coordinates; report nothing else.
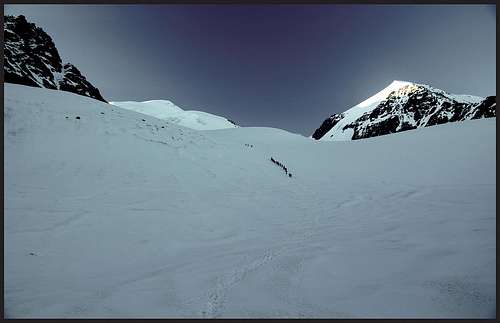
(112, 216)
(166, 110)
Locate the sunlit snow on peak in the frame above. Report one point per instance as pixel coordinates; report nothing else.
(395, 85)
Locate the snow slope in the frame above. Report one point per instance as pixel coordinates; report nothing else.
(166, 110)
(112, 216)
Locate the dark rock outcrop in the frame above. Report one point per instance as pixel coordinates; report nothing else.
(232, 122)
(75, 82)
(31, 58)
(485, 109)
(327, 125)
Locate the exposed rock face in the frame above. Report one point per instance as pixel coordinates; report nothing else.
(233, 122)
(31, 58)
(412, 106)
(486, 109)
(75, 82)
(326, 126)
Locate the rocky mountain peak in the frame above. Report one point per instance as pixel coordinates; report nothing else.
(31, 58)
(403, 106)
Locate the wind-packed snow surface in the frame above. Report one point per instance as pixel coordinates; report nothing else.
(166, 110)
(112, 216)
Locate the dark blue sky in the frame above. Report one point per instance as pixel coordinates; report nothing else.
(284, 66)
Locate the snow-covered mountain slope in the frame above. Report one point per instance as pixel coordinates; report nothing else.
(31, 58)
(166, 110)
(403, 106)
(112, 216)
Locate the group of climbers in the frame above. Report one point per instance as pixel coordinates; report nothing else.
(282, 166)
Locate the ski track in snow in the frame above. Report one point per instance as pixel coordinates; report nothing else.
(216, 297)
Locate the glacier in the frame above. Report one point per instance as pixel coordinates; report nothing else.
(122, 215)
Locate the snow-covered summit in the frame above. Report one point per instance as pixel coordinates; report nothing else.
(381, 95)
(167, 110)
(403, 106)
(355, 112)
